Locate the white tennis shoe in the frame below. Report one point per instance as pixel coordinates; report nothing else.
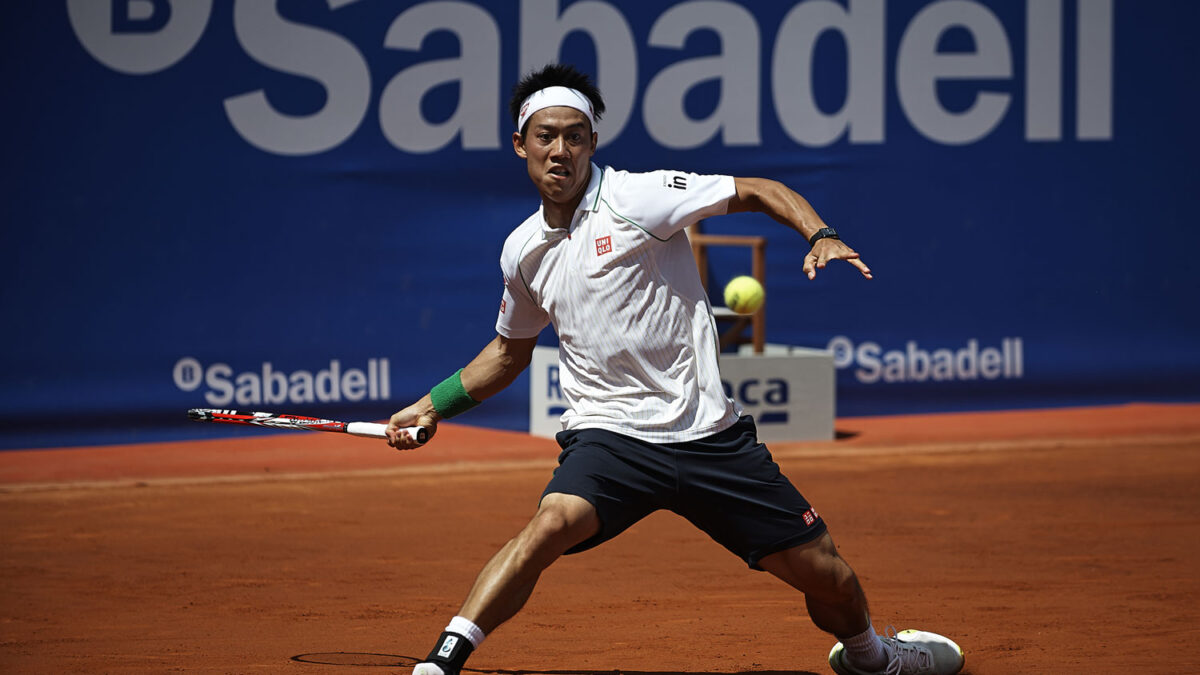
(909, 652)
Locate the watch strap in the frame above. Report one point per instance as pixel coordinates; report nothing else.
(823, 233)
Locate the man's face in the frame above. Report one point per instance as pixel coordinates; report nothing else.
(557, 149)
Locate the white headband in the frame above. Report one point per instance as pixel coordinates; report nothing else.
(554, 96)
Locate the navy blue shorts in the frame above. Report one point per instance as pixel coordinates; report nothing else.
(725, 484)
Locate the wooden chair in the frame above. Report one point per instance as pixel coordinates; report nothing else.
(735, 333)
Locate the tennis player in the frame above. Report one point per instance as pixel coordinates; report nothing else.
(605, 260)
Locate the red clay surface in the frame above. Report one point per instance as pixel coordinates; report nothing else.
(1057, 541)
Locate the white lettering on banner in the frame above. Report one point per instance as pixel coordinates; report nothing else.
(138, 37)
(916, 364)
(1094, 81)
(1043, 71)
(736, 115)
(270, 386)
(919, 67)
(477, 73)
(861, 25)
(616, 53)
(146, 36)
(296, 48)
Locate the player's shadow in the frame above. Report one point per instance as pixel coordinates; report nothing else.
(397, 661)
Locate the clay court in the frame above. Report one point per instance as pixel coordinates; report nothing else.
(1044, 542)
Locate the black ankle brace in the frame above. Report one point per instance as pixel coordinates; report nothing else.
(451, 652)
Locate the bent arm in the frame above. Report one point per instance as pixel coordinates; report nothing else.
(786, 206)
(777, 200)
(486, 375)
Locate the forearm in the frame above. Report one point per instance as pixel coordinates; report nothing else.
(783, 204)
(778, 201)
(486, 375)
(500, 362)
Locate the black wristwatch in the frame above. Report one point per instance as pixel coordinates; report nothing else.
(823, 233)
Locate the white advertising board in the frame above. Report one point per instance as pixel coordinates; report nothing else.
(788, 390)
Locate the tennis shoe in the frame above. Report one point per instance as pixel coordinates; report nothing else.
(430, 669)
(909, 652)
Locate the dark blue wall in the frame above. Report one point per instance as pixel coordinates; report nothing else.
(155, 235)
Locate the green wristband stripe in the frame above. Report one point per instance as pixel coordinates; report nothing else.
(450, 397)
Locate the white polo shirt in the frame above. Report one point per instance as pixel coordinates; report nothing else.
(637, 341)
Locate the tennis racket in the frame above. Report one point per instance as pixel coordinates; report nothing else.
(274, 421)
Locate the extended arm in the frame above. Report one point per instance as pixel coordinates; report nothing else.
(491, 371)
(786, 206)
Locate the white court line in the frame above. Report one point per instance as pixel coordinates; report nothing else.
(823, 450)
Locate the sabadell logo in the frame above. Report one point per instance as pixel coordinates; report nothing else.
(267, 384)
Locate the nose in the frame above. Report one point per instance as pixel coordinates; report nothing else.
(559, 149)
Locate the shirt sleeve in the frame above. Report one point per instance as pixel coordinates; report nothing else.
(520, 316)
(665, 202)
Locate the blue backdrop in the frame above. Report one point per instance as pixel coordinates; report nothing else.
(299, 205)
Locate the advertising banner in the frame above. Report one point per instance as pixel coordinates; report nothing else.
(299, 205)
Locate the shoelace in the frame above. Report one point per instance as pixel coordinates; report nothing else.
(905, 658)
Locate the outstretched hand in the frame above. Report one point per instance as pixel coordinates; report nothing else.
(832, 249)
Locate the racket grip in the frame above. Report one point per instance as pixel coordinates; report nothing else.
(374, 430)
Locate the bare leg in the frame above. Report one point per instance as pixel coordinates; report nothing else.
(834, 597)
(506, 582)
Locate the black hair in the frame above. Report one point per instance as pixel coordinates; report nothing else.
(554, 75)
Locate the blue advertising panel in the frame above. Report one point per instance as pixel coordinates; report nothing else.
(299, 205)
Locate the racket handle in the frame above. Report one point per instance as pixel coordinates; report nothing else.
(374, 430)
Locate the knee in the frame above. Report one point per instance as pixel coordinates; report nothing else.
(550, 524)
(554, 529)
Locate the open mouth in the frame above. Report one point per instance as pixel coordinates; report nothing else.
(560, 171)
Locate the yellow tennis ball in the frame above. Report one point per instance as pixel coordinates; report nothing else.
(744, 295)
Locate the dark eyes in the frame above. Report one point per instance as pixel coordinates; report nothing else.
(573, 138)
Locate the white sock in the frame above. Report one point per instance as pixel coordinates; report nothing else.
(460, 626)
(865, 651)
(467, 629)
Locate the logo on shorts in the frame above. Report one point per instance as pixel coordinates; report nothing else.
(810, 516)
(447, 646)
(503, 305)
(604, 245)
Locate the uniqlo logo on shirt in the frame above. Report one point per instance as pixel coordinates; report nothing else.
(503, 305)
(604, 245)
